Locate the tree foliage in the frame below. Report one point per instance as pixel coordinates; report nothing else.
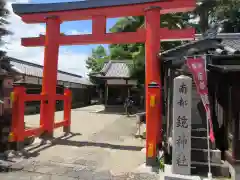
(230, 10)
(208, 12)
(3, 22)
(214, 11)
(136, 52)
(96, 60)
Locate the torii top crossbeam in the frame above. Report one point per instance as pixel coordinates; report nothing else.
(98, 11)
(82, 10)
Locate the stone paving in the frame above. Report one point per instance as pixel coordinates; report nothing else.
(101, 147)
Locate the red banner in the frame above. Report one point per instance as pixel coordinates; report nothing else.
(197, 67)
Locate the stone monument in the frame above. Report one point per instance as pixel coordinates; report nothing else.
(181, 152)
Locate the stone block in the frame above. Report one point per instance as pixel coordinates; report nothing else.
(234, 171)
(200, 143)
(180, 177)
(168, 175)
(201, 155)
(201, 169)
(199, 132)
(181, 148)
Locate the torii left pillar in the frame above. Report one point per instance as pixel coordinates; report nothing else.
(49, 81)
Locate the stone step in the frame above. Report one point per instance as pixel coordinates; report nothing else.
(201, 143)
(218, 170)
(9, 165)
(199, 132)
(201, 155)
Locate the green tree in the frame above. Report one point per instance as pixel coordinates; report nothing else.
(136, 52)
(96, 61)
(203, 12)
(214, 11)
(208, 12)
(230, 11)
(3, 31)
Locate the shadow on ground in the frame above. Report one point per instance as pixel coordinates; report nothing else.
(111, 112)
(117, 112)
(64, 140)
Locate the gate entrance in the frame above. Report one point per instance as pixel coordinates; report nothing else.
(98, 11)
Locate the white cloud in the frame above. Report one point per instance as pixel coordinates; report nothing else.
(18, 1)
(73, 32)
(68, 60)
(76, 32)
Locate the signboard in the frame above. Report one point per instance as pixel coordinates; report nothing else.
(117, 81)
(132, 82)
(121, 82)
(197, 67)
(182, 100)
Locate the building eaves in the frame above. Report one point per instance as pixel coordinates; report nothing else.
(229, 40)
(31, 69)
(224, 43)
(221, 36)
(224, 68)
(190, 48)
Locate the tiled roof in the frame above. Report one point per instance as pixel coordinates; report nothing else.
(36, 70)
(232, 43)
(116, 69)
(231, 40)
(225, 43)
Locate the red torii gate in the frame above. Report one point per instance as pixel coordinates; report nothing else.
(55, 13)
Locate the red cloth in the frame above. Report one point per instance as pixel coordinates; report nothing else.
(197, 67)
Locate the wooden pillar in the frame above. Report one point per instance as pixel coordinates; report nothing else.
(153, 96)
(100, 94)
(106, 94)
(128, 89)
(50, 73)
(99, 25)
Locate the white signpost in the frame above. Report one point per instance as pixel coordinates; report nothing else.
(182, 103)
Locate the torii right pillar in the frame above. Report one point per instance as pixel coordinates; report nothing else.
(153, 85)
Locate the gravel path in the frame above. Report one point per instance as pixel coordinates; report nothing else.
(101, 147)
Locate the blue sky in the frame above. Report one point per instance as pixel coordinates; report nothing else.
(71, 58)
(80, 26)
